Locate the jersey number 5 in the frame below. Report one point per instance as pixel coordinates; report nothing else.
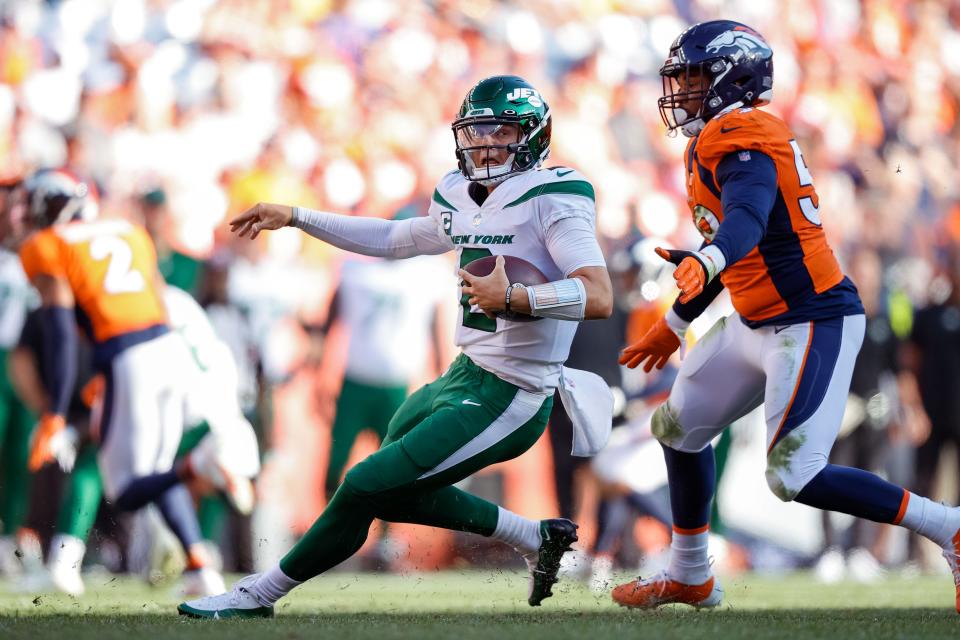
(810, 209)
(120, 277)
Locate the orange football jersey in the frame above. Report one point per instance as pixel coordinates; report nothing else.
(793, 263)
(111, 266)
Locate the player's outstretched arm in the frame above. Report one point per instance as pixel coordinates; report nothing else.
(367, 236)
(261, 217)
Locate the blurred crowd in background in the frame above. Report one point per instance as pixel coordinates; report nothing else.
(184, 112)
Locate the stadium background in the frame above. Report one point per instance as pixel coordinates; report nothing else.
(192, 110)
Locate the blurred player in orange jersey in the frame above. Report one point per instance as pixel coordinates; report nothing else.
(103, 276)
(799, 322)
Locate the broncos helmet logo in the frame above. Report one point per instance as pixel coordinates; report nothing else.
(743, 41)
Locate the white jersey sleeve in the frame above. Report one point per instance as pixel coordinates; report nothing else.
(374, 236)
(569, 230)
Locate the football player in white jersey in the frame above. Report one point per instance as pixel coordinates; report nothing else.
(492, 404)
(16, 419)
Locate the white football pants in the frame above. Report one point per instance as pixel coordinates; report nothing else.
(142, 413)
(800, 373)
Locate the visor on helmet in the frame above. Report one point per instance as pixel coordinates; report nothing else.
(487, 148)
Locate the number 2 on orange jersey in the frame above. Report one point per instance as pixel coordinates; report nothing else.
(120, 278)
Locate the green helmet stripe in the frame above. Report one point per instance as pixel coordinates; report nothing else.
(573, 187)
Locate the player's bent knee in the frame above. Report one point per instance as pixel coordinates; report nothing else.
(665, 426)
(781, 485)
(789, 471)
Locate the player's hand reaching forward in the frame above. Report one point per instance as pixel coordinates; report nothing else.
(694, 270)
(656, 346)
(261, 217)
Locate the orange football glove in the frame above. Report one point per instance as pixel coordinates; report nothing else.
(694, 270)
(656, 347)
(40, 450)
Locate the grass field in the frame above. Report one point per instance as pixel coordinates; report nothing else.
(490, 606)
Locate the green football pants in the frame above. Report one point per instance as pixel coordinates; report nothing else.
(78, 509)
(16, 424)
(360, 406)
(453, 427)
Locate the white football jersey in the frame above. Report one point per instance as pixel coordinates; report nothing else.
(209, 373)
(388, 308)
(16, 298)
(513, 221)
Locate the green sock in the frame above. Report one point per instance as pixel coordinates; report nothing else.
(78, 511)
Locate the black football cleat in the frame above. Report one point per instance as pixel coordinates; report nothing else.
(556, 537)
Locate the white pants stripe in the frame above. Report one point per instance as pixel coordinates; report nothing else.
(521, 410)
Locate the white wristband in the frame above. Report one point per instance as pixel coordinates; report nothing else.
(714, 258)
(561, 299)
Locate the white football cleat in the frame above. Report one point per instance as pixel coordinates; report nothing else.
(10, 565)
(863, 567)
(237, 603)
(209, 460)
(831, 567)
(66, 558)
(201, 582)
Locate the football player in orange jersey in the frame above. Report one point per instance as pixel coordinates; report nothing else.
(103, 276)
(798, 326)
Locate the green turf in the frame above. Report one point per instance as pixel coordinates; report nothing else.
(491, 606)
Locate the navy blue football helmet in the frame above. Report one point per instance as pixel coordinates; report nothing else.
(714, 66)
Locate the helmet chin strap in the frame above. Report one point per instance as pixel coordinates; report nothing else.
(695, 126)
(692, 128)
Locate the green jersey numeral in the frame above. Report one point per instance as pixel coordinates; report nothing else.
(475, 320)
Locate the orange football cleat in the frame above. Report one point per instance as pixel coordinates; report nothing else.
(662, 589)
(952, 554)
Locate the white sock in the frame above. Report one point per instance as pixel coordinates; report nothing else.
(66, 552)
(517, 531)
(272, 585)
(931, 519)
(689, 562)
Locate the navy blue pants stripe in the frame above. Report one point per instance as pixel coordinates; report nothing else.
(816, 375)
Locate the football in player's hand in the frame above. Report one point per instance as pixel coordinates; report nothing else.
(518, 270)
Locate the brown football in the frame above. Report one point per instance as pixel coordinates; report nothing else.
(518, 270)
